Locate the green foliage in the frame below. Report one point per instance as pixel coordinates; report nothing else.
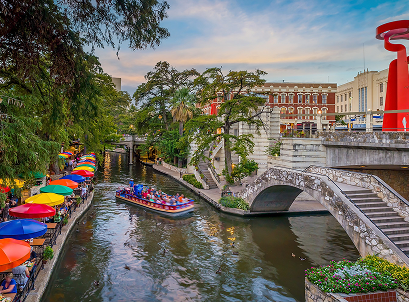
(350, 277)
(234, 202)
(190, 178)
(65, 220)
(340, 119)
(243, 169)
(239, 104)
(275, 149)
(48, 253)
(382, 266)
(78, 201)
(3, 198)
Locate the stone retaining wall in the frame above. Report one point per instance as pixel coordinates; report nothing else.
(173, 168)
(314, 294)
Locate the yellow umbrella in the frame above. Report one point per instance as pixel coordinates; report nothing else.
(50, 199)
(19, 183)
(84, 168)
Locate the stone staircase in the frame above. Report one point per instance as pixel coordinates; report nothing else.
(203, 169)
(389, 221)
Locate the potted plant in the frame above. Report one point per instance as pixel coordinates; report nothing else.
(48, 254)
(65, 220)
(78, 200)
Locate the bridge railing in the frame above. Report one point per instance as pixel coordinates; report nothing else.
(372, 180)
(360, 210)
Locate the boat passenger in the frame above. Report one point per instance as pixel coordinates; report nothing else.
(131, 184)
(181, 197)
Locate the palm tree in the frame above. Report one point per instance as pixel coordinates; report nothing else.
(182, 110)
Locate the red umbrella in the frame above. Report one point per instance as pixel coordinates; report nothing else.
(13, 253)
(84, 173)
(32, 210)
(4, 189)
(65, 182)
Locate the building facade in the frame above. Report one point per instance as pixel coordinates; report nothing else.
(296, 102)
(367, 92)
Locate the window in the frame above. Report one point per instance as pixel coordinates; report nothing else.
(345, 107)
(324, 110)
(337, 98)
(315, 98)
(381, 87)
(299, 98)
(362, 98)
(275, 98)
(283, 110)
(290, 110)
(337, 108)
(307, 111)
(291, 98)
(350, 95)
(307, 98)
(346, 97)
(342, 98)
(283, 98)
(299, 113)
(381, 101)
(324, 98)
(350, 106)
(314, 111)
(341, 107)
(236, 132)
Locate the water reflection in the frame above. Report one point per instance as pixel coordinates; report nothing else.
(137, 255)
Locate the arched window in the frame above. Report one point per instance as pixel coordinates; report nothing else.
(283, 98)
(324, 110)
(307, 111)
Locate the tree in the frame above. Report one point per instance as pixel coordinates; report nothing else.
(34, 29)
(240, 104)
(155, 95)
(183, 110)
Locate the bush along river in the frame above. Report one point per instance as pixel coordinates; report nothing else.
(120, 252)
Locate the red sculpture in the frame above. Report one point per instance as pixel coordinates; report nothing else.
(397, 93)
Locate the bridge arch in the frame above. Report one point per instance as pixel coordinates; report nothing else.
(264, 195)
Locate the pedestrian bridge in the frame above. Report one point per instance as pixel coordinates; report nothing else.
(373, 215)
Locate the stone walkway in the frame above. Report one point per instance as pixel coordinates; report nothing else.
(303, 204)
(45, 274)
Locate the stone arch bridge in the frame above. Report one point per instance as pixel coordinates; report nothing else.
(373, 215)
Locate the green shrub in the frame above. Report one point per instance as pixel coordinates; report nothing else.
(190, 178)
(350, 277)
(48, 253)
(234, 202)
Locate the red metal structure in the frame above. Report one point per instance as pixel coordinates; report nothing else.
(397, 94)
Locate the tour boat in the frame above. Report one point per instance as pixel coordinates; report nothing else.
(164, 209)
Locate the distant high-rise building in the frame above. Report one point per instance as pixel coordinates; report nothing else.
(117, 83)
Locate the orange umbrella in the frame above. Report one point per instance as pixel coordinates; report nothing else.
(65, 182)
(13, 253)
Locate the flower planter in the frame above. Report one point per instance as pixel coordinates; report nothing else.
(314, 294)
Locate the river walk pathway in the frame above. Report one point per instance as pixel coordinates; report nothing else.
(302, 205)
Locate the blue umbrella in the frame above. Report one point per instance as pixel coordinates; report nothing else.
(22, 229)
(74, 177)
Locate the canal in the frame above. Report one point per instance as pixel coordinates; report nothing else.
(119, 252)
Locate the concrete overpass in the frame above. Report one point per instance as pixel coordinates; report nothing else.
(131, 141)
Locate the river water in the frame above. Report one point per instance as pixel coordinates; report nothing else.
(120, 252)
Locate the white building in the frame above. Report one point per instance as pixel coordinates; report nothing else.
(367, 92)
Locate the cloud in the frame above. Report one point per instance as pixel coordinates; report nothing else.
(307, 39)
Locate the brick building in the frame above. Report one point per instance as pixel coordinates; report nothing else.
(296, 99)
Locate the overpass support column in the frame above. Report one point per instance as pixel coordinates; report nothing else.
(319, 122)
(369, 121)
(131, 154)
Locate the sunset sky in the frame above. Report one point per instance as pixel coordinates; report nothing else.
(302, 41)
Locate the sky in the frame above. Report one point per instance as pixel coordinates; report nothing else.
(301, 41)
